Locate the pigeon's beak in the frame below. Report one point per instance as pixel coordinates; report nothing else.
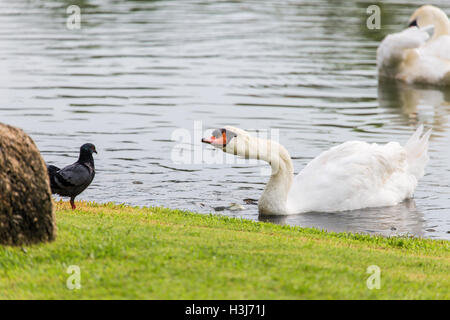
(95, 151)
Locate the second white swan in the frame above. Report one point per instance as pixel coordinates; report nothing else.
(412, 56)
(350, 176)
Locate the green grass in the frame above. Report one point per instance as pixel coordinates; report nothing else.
(156, 253)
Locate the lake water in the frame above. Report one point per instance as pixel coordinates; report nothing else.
(137, 72)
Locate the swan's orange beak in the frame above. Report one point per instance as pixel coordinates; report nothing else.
(221, 141)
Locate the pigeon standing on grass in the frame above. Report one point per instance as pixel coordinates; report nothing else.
(70, 181)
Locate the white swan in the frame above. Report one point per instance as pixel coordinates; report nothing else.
(412, 56)
(350, 176)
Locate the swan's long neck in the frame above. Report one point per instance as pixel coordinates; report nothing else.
(441, 24)
(274, 198)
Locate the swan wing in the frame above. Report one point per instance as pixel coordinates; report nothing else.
(428, 64)
(439, 48)
(390, 53)
(351, 176)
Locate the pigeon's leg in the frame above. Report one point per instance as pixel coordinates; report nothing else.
(72, 203)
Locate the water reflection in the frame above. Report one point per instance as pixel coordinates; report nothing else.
(138, 70)
(419, 103)
(403, 219)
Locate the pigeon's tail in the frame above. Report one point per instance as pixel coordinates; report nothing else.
(52, 170)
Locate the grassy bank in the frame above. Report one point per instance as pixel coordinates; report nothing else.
(155, 253)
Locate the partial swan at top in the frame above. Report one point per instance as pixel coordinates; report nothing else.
(415, 57)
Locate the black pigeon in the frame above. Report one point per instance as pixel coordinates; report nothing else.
(70, 181)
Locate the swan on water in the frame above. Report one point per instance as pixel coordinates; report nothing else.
(414, 56)
(349, 176)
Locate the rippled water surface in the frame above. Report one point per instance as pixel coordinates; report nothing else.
(138, 71)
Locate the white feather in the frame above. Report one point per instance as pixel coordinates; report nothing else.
(412, 56)
(391, 51)
(357, 175)
(350, 176)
